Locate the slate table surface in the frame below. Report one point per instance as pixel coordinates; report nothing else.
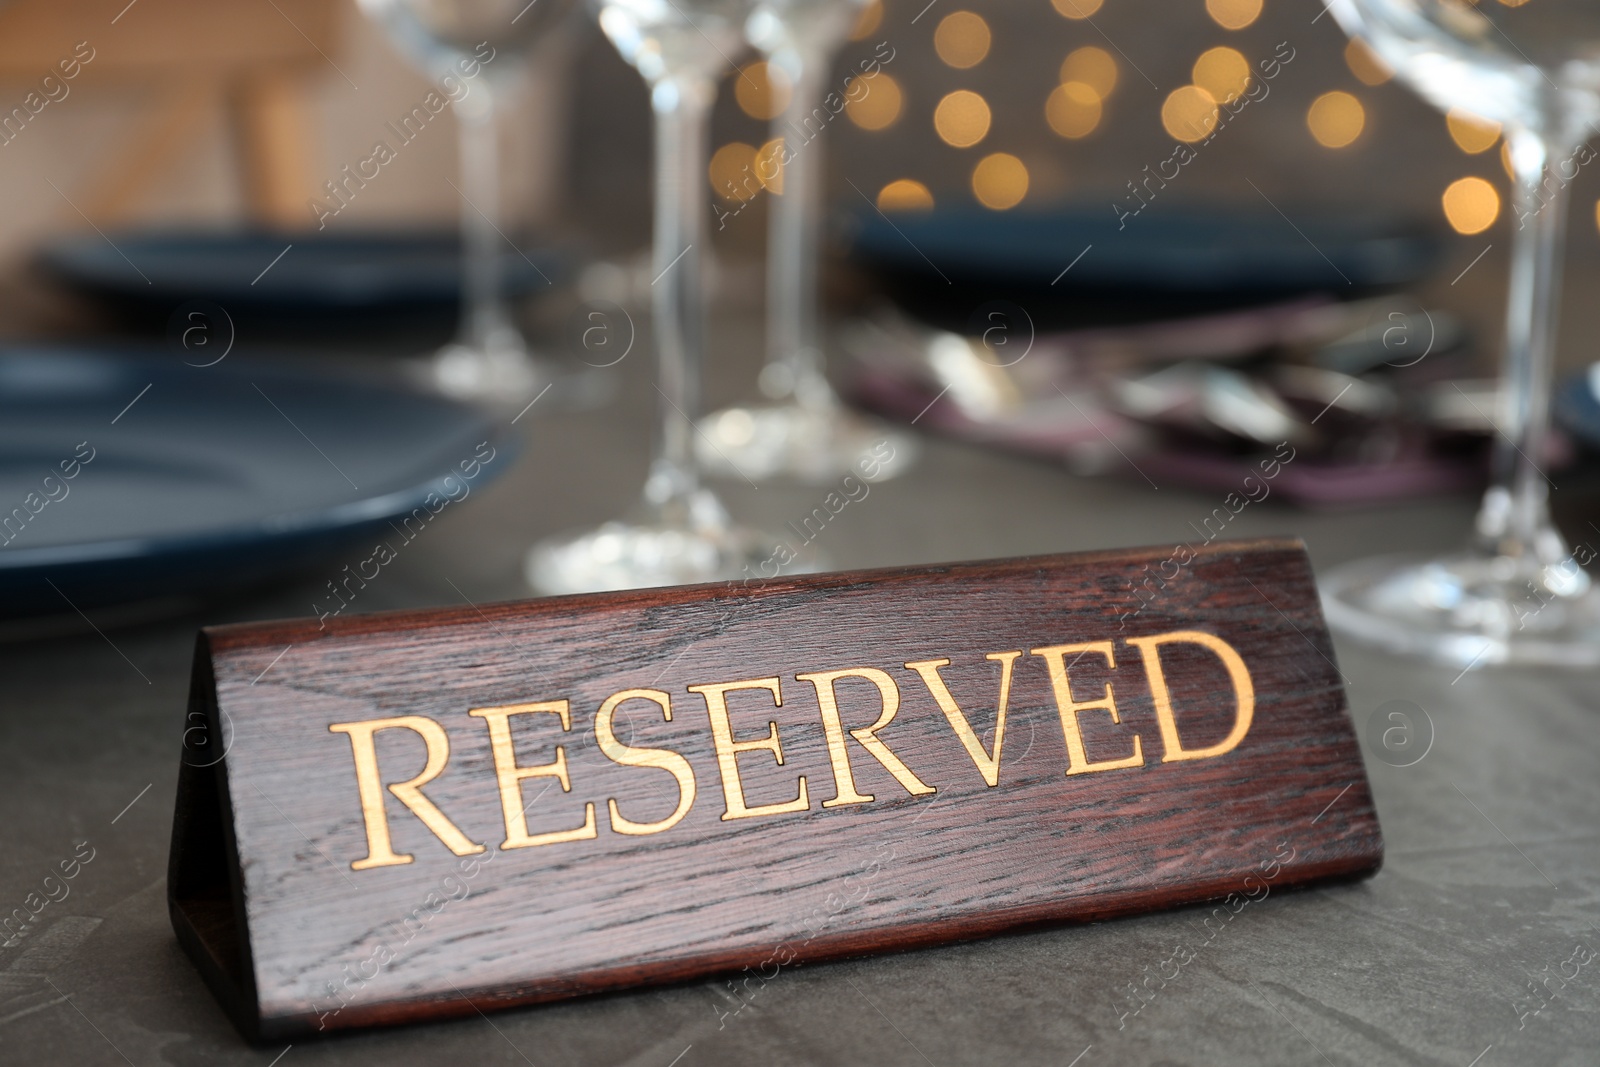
(1492, 871)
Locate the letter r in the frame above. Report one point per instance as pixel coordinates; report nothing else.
(369, 784)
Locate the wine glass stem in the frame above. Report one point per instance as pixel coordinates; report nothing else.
(485, 321)
(792, 331)
(1515, 519)
(682, 109)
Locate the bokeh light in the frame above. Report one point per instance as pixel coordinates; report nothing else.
(1233, 14)
(1189, 113)
(761, 90)
(878, 106)
(1505, 160)
(768, 165)
(1471, 205)
(871, 18)
(1471, 133)
(1335, 119)
(1000, 181)
(1073, 110)
(1093, 67)
(733, 172)
(905, 194)
(962, 118)
(1222, 72)
(1076, 9)
(1365, 64)
(962, 39)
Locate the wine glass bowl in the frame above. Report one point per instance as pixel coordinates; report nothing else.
(436, 35)
(1516, 594)
(1533, 65)
(664, 39)
(816, 27)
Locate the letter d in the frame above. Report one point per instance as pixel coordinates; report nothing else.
(1244, 692)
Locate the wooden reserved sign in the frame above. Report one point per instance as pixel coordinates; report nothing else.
(389, 817)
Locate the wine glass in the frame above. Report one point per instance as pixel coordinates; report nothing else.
(680, 533)
(808, 434)
(477, 50)
(1516, 594)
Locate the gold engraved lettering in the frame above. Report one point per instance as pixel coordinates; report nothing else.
(1244, 691)
(867, 736)
(716, 697)
(1078, 761)
(510, 775)
(369, 784)
(629, 756)
(988, 765)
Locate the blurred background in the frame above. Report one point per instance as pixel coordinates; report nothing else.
(164, 120)
(1095, 273)
(162, 123)
(1293, 250)
(195, 114)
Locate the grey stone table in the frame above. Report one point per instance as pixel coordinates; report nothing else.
(1451, 955)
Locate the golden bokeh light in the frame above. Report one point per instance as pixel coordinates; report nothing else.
(761, 90)
(1471, 205)
(871, 18)
(962, 39)
(905, 194)
(1093, 67)
(1513, 3)
(1233, 14)
(878, 106)
(962, 118)
(1076, 9)
(1222, 72)
(768, 165)
(1471, 133)
(1000, 181)
(1335, 119)
(1073, 110)
(1505, 160)
(1189, 113)
(733, 172)
(1368, 67)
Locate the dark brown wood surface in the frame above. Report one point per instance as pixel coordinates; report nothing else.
(269, 819)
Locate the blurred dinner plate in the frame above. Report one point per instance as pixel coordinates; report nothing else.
(130, 477)
(1076, 265)
(275, 283)
(1577, 406)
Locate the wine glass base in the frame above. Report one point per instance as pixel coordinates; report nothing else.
(468, 372)
(815, 445)
(638, 555)
(1468, 610)
(509, 379)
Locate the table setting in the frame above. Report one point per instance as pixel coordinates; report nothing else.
(818, 531)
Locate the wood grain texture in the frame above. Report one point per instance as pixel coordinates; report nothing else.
(267, 834)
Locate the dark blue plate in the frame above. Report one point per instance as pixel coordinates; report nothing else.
(1577, 407)
(1078, 264)
(130, 477)
(351, 279)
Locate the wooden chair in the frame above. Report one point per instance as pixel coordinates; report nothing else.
(188, 58)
